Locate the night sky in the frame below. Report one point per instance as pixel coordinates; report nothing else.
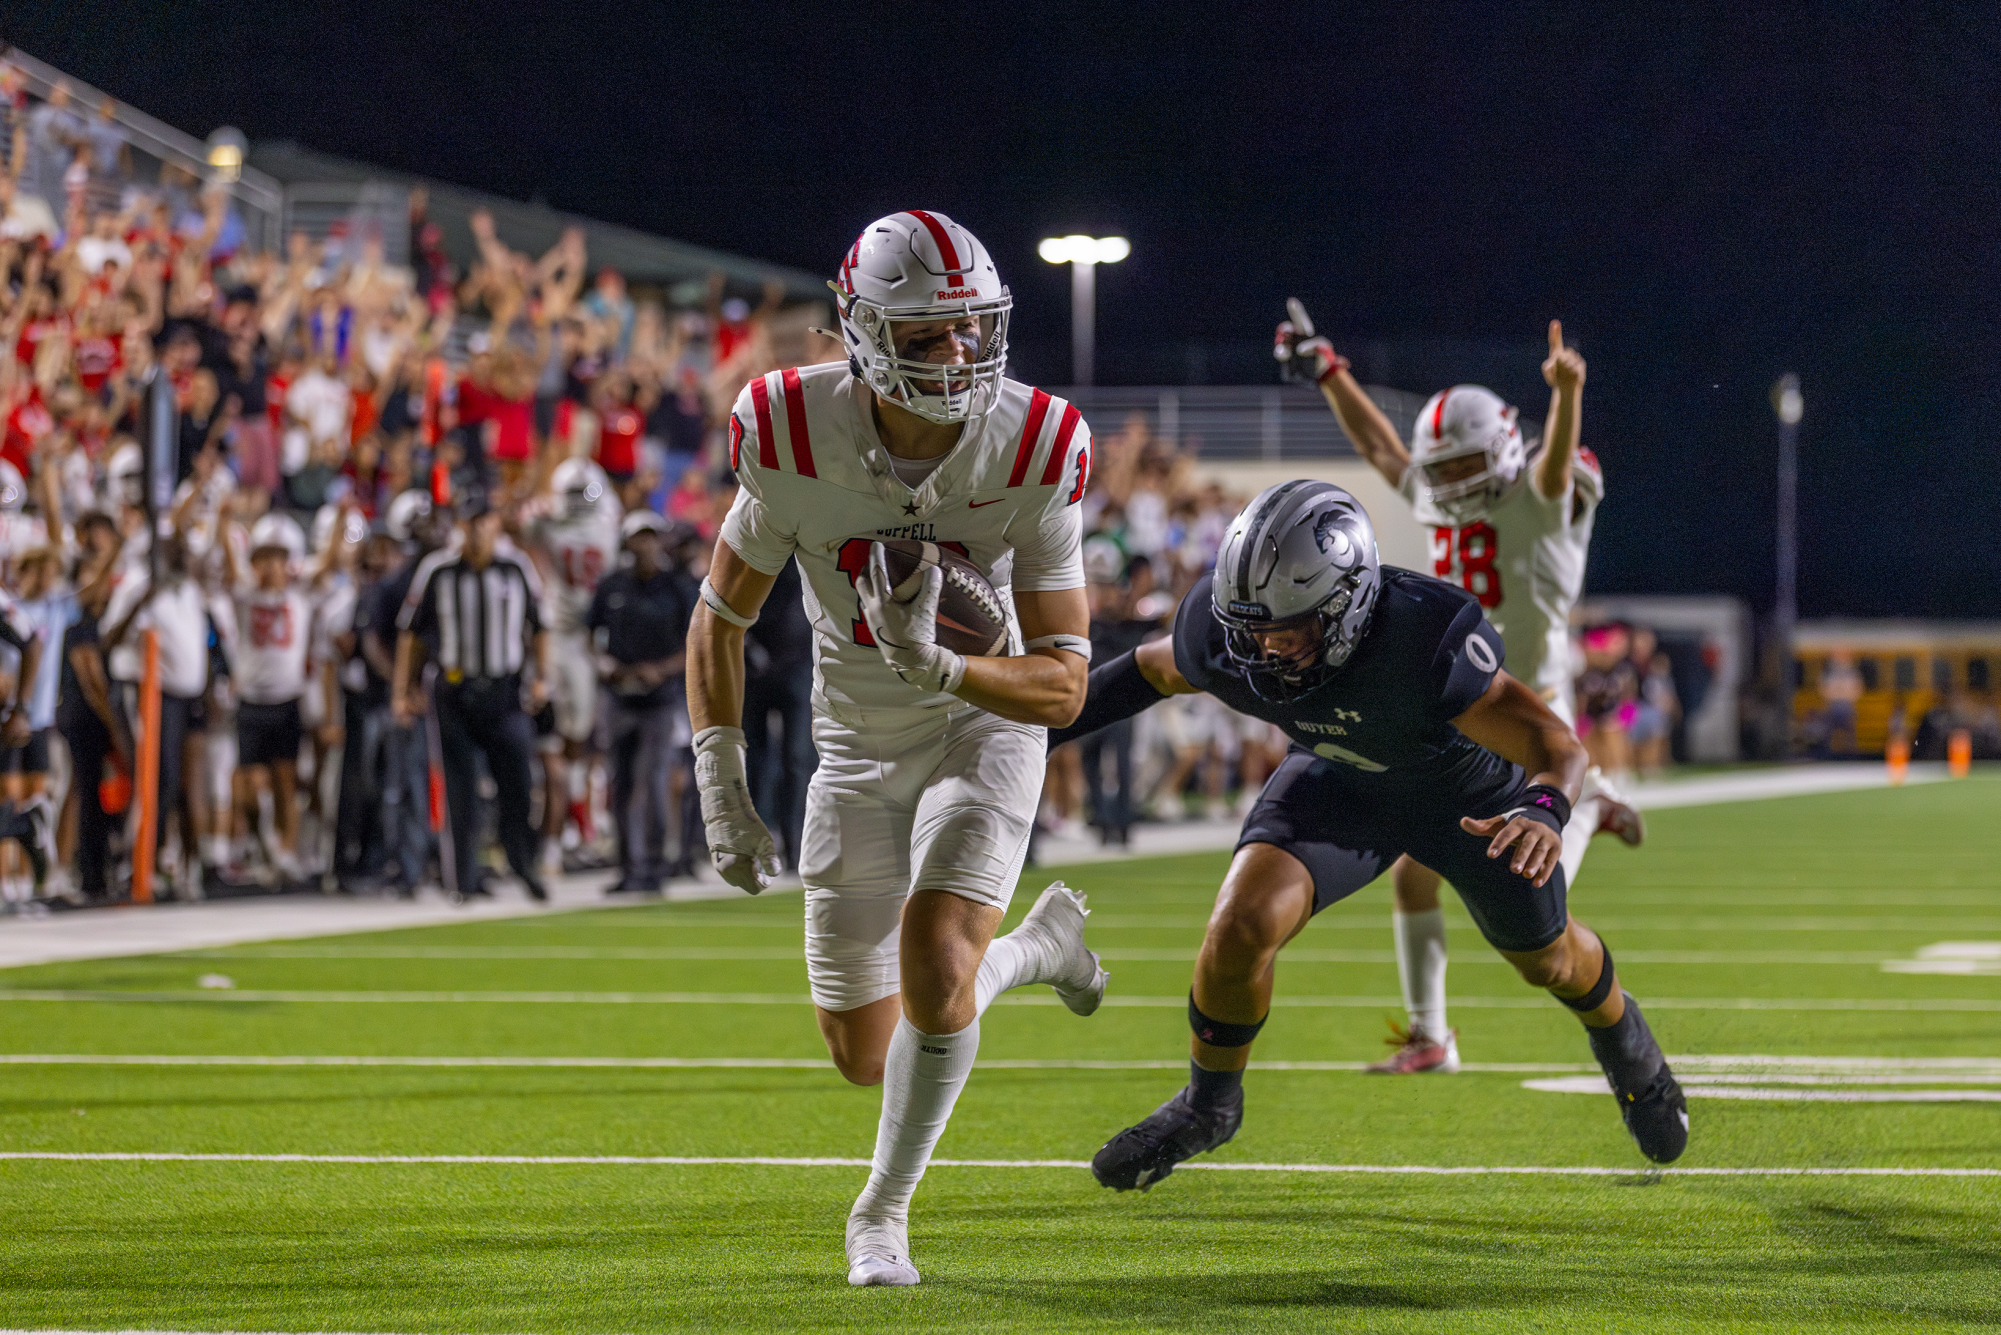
(1707, 199)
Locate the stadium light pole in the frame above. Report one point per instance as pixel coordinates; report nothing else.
(1788, 404)
(1084, 254)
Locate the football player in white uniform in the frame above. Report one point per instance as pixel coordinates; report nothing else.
(1513, 529)
(576, 527)
(269, 669)
(931, 763)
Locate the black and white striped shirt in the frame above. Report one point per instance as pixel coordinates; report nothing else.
(475, 623)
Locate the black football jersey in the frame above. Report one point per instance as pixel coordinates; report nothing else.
(1386, 715)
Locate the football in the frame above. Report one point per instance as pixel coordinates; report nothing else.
(971, 620)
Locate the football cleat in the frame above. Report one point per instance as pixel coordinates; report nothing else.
(1140, 1156)
(1057, 923)
(879, 1252)
(1616, 815)
(1418, 1053)
(1650, 1099)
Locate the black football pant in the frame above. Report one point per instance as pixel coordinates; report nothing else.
(641, 753)
(89, 746)
(477, 719)
(779, 772)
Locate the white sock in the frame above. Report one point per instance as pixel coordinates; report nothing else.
(1008, 964)
(1421, 967)
(1577, 837)
(922, 1077)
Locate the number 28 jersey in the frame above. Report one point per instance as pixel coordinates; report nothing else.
(817, 485)
(1525, 563)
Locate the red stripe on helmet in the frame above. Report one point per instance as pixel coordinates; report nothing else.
(1031, 431)
(760, 400)
(1053, 470)
(795, 423)
(947, 252)
(1438, 416)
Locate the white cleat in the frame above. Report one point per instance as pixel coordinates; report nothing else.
(1074, 970)
(879, 1253)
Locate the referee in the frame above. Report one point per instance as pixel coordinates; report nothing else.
(475, 612)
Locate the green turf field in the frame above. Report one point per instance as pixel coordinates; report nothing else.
(1761, 929)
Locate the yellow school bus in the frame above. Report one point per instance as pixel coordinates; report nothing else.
(1912, 665)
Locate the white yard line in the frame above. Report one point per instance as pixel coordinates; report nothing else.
(772, 1161)
(1825, 1092)
(1115, 954)
(1525, 1001)
(104, 934)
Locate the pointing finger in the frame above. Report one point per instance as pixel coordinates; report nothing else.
(1555, 337)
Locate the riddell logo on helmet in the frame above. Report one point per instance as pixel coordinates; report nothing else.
(956, 293)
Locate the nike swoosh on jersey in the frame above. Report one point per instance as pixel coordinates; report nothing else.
(974, 505)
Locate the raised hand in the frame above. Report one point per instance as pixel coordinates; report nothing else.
(1564, 368)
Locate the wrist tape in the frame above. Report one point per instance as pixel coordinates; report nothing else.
(1546, 805)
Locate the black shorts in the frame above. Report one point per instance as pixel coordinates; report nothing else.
(32, 757)
(267, 734)
(1347, 838)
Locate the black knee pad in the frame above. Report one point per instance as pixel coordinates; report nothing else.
(1600, 990)
(1218, 1033)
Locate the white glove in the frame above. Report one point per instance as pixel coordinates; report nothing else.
(904, 622)
(739, 845)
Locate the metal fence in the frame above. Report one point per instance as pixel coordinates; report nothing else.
(155, 146)
(1267, 423)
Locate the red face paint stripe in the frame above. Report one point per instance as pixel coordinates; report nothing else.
(760, 399)
(1438, 417)
(1053, 470)
(795, 423)
(946, 251)
(1031, 431)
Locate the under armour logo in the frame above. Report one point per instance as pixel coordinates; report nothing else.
(1350, 715)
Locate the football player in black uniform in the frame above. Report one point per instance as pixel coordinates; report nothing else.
(1407, 737)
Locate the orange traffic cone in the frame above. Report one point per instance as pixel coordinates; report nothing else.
(1898, 753)
(1959, 753)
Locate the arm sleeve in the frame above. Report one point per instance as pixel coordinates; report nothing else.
(1118, 690)
(1468, 659)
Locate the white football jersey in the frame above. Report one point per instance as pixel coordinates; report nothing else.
(816, 483)
(581, 552)
(1525, 563)
(273, 635)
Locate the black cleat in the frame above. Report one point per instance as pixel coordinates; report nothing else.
(1650, 1100)
(1142, 1155)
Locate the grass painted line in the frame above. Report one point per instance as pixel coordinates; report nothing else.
(773, 1161)
(687, 1063)
(1533, 1001)
(1788, 1093)
(1141, 955)
(1104, 921)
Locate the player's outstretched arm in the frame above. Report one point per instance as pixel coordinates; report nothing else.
(1564, 372)
(1046, 685)
(1128, 685)
(1512, 721)
(739, 844)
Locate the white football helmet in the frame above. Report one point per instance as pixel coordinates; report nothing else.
(581, 488)
(125, 476)
(13, 491)
(324, 519)
(278, 530)
(1458, 424)
(918, 267)
(405, 509)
